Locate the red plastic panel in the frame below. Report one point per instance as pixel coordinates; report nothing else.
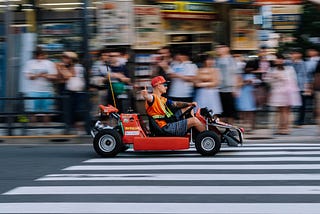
(160, 143)
(131, 127)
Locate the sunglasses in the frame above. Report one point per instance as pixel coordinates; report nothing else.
(165, 84)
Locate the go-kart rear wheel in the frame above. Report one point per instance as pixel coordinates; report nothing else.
(207, 143)
(107, 143)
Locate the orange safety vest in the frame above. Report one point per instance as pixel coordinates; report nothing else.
(158, 110)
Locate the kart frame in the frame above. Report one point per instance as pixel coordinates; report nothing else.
(130, 130)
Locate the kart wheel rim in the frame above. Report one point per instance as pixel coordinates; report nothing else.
(107, 143)
(208, 143)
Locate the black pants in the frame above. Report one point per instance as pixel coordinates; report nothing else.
(301, 110)
(228, 105)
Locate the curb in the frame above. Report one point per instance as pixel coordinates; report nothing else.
(46, 139)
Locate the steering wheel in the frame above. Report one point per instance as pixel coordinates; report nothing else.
(188, 111)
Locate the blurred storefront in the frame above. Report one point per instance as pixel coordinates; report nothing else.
(279, 19)
(59, 25)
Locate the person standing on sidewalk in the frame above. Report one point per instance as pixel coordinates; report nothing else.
(316, 91)
(284, 92)
(245, 100)
(312, 62)
(206, 84)
(181, 74)
(71, 77)
(98, 77)
(304, 83)
(229, 73)
(40, 73)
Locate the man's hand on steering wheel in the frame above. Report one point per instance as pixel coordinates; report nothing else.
(188, 112)
(193, 104)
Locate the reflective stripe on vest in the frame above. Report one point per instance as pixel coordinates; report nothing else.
(158, 116)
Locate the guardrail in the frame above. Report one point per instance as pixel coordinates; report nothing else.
(15, 116)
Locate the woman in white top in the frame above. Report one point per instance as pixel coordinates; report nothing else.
(206, 83)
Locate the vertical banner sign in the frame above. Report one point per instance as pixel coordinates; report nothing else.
(147, 27)
(114, 23)
(243, 31)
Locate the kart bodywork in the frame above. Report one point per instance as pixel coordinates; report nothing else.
(129, 130)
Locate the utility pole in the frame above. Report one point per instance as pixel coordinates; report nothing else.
(86, 55)
(9, 49)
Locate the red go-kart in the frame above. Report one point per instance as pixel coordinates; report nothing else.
(129, 129)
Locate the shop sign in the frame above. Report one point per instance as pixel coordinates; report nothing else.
(241, 1)
(243, 31)
(114, 22)
(187, 10)
(147, 27)
(286, 17)
(277, 2)
(224, 1)
(58, 29)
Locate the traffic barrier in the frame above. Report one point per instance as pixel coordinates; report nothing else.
(14, 115)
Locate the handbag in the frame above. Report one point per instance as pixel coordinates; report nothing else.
(75, 84)
(118, 87)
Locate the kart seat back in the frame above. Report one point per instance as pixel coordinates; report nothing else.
(155, 129)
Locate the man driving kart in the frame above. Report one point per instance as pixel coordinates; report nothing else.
(166, 112)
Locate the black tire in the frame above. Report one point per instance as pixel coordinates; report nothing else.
(208, 143)
(107, 143)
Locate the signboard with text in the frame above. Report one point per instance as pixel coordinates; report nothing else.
(277, 2)
(187, 10)
(243, 31)
(286, 17)
(114, 22)
(148, 27)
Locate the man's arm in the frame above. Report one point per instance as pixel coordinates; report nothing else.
(178, 104)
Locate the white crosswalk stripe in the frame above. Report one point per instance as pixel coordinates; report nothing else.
(177, 177)
(163, 208)
(203, 159)
(186, 167)
(242, 175)
(70, 190)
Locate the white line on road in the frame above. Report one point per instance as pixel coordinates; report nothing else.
(192, 153)
(162, 208)
(52, 190)
(176, 177)
(193, 167)
(265, 153)
(278, 144)
(201, 159)
(288, 148)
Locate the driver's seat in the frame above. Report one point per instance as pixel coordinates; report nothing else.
(155, 129)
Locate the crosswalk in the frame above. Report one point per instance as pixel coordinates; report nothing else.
(253, 179)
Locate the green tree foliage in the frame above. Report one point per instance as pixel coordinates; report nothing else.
(309, 28)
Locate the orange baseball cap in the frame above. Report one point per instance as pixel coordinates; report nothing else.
(157, 80)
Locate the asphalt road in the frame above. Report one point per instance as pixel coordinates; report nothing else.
(21, 164)
(260, 178)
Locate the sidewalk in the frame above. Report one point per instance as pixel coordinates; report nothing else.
(304, 134)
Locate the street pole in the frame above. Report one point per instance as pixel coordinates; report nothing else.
(10, 82)
(86, 58)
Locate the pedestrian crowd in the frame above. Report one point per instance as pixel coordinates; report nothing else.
(234, 86)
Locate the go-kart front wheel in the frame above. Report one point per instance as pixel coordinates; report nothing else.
(207, 143)
(107, 143)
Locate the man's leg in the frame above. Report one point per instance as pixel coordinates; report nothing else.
(196, 123)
